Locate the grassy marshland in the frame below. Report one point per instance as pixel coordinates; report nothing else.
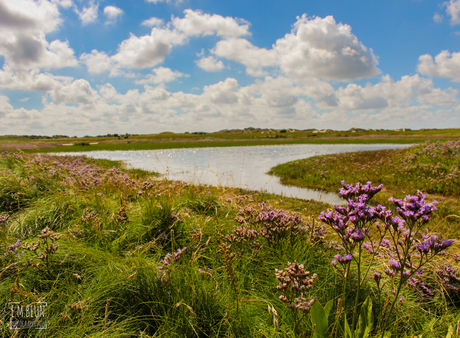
(432, 167)
(250, 137)
(116, 253)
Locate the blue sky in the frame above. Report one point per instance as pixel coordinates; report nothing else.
(87, 67)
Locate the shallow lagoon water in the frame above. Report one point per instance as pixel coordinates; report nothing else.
(244, 167)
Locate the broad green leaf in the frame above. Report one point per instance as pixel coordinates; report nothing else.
(327, 308)
(319, 318)
(366, 319)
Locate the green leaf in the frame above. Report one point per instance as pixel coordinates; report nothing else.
(347, 328)
(319, 318)
(327, 308)
(366, 319)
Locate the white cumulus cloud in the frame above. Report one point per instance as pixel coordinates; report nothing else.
(88, 14)
(320, 47)
(28, 15)
(23, 28)
(198, 23)
(210, 64)
(112, 13)
(98, 62)
(224, 92)
(390, 94)
(147, 50)
(453, 10)
(161, 75)
(63, 3)
(150, 50)
(316, 48)
(31, 80)
(79, 91)
(445, 65)
(242, 51)
(153, 22)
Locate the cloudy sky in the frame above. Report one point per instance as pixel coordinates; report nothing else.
(88, 67)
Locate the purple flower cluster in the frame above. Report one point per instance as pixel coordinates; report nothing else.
(167, 261)
(350, 222)
(171, 258)
(3, 219)
(377, 277)
(450, 279)
(363, 192)
(395, 265)
(433, 244)
(13, 248)
(78, 171)
(342, 260)
(421, 287)
(414, 208)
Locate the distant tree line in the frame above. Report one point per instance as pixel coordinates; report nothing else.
(36, 137)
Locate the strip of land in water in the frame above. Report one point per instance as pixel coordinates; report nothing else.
(238, 138)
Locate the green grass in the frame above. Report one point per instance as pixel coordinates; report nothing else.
(116, 226)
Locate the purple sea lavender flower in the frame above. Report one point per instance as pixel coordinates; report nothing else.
(377, 277)
(368, 247)
(421, 287)
(3, 219)
(423, 248)
(389, 272)
(437, 244)
(357, 235)
(456, 257)
(366, 191)
(344, 260)
(335, 220)
(433, 244)
(414, 208)
(391, 221)
(394, 265)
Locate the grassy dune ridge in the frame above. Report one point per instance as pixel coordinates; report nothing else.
(117, 253)
(249, 137)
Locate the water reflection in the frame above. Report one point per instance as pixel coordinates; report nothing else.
(244, 167)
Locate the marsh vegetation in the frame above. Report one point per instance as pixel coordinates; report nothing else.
(116, 252)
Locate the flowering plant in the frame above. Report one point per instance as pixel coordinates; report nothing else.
(362, 228)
